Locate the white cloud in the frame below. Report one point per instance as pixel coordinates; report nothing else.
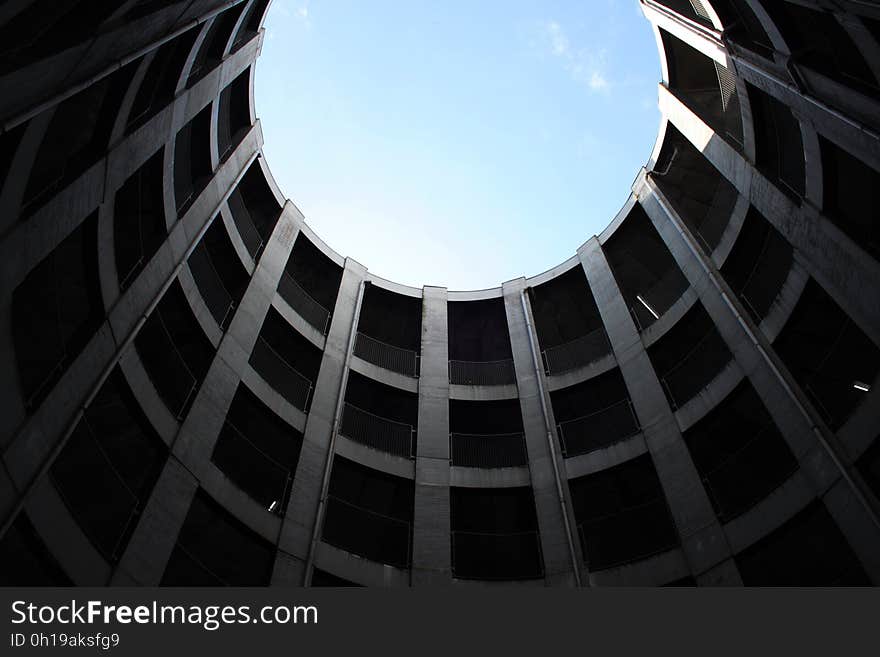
(558, 40)
(598, 81)
(586, 66)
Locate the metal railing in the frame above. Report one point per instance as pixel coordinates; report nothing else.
(497, 555)
(210, 284)
(170, 373)
(247, 230)
(253, 470)
(761, 288)
(281, 375)
(576, 353)
(370, 534)
(112, 489)
(377, 432)
(702, 363)
(660, 297)
(387, 356)
(303, 303)
(607, 540)
(501, 450)
(482, 373)
(598, 429)
(753, 450)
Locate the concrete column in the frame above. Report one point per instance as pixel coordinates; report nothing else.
(431, 550)
(702, 538)
(315, 459)
(840, 265)
(819, 455)
(546, 468)
(192, 449)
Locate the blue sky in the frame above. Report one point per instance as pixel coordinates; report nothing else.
(455, 143)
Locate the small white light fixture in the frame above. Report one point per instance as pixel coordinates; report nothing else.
(861, 387)
(273, 505)
(645, 304)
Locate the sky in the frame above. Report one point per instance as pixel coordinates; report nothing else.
(459, 144)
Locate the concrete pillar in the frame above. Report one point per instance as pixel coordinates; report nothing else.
(315, 459)
(431, 549)
(192, 449)
(840, 265)
(816, 449)
(558, 545)
(702, 538)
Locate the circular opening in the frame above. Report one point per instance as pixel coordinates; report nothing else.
(455, 144)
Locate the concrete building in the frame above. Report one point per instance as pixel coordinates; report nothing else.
(196, 389)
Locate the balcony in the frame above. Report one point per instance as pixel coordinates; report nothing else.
(650, 305)
(576, 353)
(210, 283)
(598, 429)
(264, 478)
(607, 540)
(482, 373)
(166, 366)
(281, 375)
(370, 534)
(695, 369)
(377, 432)
(303, 303)
(496, 555)
(387, 356)
(96, 493)
(753, 471)
(502, 450)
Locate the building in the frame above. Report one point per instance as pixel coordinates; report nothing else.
(197, 390)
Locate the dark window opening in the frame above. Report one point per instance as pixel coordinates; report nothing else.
(779, 145)
(647, 274)
(479, 343)
(568, 323)
(216, 549)
(77, 137)
(219, 273)
(286, 360)
(495, 534)
(379, 416)
(159, 83)
(830, 357)
(818, 41)
(25, 560)
(707, 87)
(56, 311)
(739, 452)
(700, 195)
(594, 414)
(213, 48)
(258, 451)
(109, 466)
(622, 514)
(310, 283)
(254, 209)
(369, 513)
(689, 356)
(175, 351)
(808, 550)
(758, 265)
(389, 331)
(192, 160)
(139, 227)
(234, 116)
(850, 201)
(487, 434)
